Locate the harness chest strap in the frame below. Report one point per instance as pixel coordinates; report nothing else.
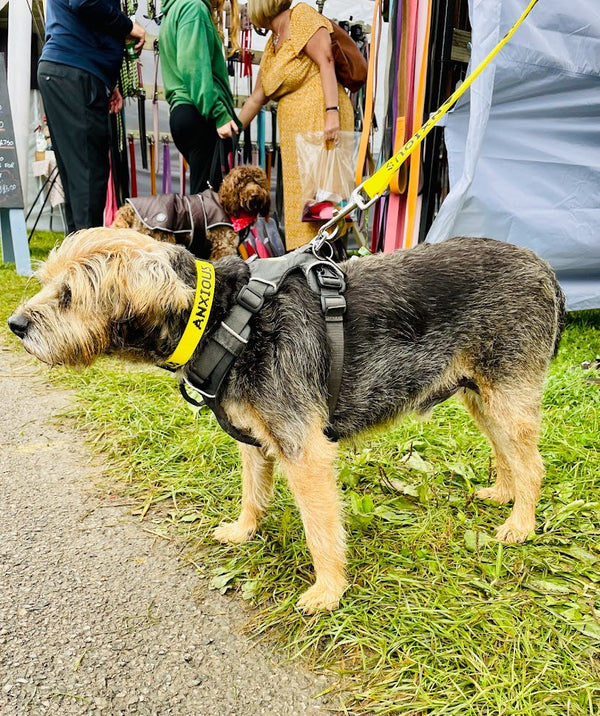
(209, 369)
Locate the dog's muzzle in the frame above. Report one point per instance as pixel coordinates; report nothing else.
(18, 324)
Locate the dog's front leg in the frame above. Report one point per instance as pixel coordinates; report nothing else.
(312, 479)
(257, 482)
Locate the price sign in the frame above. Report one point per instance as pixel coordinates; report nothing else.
(11, 193)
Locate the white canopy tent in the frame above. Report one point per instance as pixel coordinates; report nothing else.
(524, 143)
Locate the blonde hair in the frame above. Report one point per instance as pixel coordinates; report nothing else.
(234, 28)
(261, 12)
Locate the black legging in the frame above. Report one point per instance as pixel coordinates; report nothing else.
(196, 138)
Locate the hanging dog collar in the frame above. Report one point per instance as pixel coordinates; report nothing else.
(205, 291)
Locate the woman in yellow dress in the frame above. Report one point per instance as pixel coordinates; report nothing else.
(297, 70)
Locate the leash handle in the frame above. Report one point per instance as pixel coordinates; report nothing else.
(374, 186)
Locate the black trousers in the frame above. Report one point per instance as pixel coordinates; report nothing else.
(197, 139)
(76, 106)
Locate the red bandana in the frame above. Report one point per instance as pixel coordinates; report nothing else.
(242, 221)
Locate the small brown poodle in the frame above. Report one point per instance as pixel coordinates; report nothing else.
(208, 224)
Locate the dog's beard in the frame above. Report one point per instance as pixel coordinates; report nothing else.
(74, 343)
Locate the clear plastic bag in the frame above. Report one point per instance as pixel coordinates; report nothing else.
(326, 173)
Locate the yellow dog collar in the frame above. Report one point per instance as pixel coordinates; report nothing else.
(205, 291)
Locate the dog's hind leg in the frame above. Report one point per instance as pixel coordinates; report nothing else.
(312, 479)
(510, 418)
(503, 490)
(257, 482)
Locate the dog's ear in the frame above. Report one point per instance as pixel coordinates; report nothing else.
(148, 285)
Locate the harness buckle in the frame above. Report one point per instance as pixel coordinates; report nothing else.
(250, 299)
(333, 306)
(325, 279)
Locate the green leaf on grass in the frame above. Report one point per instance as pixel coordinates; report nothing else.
(190, 517)
(550, 585)
(475, 540)
(413, 461)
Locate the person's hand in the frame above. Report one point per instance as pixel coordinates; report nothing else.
(115, 102)
(227, 130)
(138, 34)
(332, 125)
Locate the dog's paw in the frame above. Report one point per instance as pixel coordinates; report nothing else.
(320, 598)
(236, 532)
(513, 532)
(495, 494)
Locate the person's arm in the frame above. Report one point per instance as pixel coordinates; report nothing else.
(194, 37)
(253, 104)
(318, 48)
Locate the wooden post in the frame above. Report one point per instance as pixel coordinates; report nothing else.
(15, 247)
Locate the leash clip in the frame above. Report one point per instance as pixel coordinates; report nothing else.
(357, 198)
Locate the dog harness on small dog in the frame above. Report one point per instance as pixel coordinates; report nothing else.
(207, 371)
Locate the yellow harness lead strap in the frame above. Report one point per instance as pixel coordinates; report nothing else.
(375, 185)
(205, 291)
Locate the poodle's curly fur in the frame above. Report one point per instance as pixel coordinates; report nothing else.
(244, 190)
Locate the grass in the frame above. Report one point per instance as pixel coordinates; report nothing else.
(439, 618)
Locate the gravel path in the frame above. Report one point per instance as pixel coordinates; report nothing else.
(96, 615)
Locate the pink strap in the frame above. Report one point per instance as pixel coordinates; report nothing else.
(110, 208)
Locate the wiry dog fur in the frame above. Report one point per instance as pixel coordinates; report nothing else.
(244, 190)
(472, 317)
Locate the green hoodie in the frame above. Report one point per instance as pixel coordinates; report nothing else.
(192, 60)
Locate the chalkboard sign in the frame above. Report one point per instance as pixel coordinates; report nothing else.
(11, 193)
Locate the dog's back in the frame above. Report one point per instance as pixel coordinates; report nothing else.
(429, 321)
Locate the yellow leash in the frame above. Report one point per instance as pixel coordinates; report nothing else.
(374, 186)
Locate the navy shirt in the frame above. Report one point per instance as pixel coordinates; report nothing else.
(87, 34)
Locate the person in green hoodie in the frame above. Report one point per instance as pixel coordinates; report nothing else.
(196, 82)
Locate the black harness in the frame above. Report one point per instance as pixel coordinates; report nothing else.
(207, 371)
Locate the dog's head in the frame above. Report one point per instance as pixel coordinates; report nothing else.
(245, 190)
(105, 290)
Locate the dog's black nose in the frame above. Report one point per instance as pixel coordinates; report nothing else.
(18, 324)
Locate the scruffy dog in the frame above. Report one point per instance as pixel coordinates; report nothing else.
(473, 317)
(206, 223)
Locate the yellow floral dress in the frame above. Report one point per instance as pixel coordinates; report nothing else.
(293, 79)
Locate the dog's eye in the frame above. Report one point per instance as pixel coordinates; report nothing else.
(64, 297)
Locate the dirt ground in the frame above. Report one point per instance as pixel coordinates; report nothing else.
(97, 616)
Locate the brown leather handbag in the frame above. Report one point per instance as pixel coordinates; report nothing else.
(350, 63)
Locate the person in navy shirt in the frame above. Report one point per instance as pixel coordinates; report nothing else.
(77, 75)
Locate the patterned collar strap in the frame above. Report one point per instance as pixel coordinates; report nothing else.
(205, 291)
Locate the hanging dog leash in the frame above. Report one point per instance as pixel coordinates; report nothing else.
(166, 179)
(132, 168)
(372, 188)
